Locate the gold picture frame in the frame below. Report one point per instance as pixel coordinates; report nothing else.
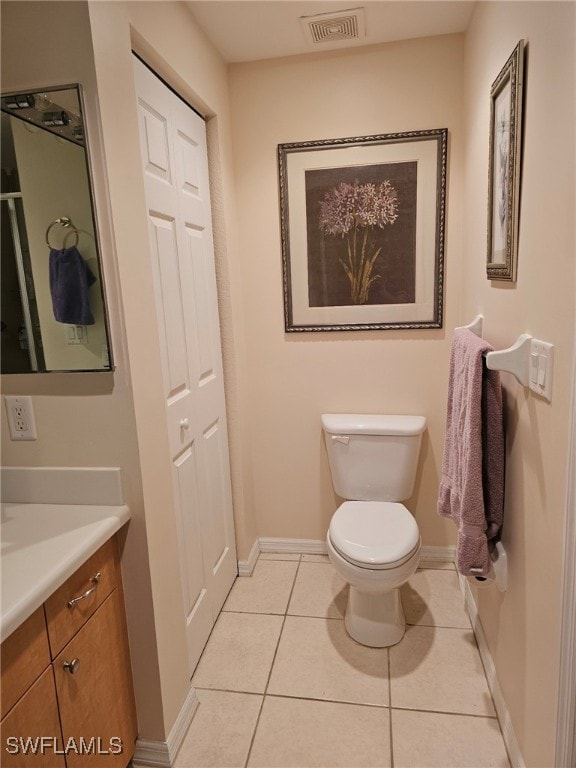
(506, 98)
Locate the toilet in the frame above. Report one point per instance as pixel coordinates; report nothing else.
(373, 541)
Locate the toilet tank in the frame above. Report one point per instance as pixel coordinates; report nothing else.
(373, 457)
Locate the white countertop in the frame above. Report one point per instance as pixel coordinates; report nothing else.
(42, 545)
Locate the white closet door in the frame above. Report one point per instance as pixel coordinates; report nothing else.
(175, 166)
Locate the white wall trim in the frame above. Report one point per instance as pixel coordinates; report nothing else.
(508, 733)
(566, 720)
(429, 556)
(162, 754)
(295, 546)
(433, 556)
(245, 567)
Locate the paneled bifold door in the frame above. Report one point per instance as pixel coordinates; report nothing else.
(175, 167)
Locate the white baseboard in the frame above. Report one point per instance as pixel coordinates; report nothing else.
(245, 567)
(510, 740)
(429, 557)
(294, 546)
(162, 754)
(434, 556)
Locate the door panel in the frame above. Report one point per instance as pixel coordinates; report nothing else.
(175, 168)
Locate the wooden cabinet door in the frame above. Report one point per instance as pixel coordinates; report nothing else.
(24, 656)
(30, 732)
(96, 699)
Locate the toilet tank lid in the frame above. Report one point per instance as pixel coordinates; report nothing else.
(372, 424)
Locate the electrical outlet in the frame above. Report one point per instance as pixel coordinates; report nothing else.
(20, 417)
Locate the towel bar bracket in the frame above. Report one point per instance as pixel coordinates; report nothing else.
(529, 360)
(514, 360)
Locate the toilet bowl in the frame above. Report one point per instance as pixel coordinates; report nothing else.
(375, 547)
(373, 540)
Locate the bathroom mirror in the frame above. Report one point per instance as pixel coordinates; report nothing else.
(53, 313)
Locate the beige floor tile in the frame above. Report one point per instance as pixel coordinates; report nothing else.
(315, 734)
(266, 591)
(433, 598)
(316, 658)
(318, 591)
(439, 669)
(437, 565)
(446, 741)
(316, 559)
(278, 556)
(221, 731)
(239, 653)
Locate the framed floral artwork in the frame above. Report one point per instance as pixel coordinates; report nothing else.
(362, 227)
(504, 168)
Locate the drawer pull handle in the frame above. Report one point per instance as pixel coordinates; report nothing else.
(95, 580)
(72, 666)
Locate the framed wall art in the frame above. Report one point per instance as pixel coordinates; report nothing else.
(362, 224)
(504, 168)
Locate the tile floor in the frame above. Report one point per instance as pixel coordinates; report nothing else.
(280, 683)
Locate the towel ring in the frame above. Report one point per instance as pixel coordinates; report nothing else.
(64, 221)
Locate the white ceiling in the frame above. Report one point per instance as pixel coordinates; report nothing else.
(247, 30)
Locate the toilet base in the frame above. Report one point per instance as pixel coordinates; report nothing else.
(375, 620)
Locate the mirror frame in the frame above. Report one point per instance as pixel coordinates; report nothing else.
(85, 143)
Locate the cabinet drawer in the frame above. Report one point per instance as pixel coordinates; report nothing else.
(30, 733)
(25, 655)
(77, 599)
(94, 684)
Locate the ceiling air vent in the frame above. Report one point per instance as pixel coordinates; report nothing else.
(334, 27)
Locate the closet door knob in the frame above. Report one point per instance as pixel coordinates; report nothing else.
(185, 423)
(72, 666)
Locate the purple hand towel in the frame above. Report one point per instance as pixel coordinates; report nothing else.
(472, 485)
(70, 279)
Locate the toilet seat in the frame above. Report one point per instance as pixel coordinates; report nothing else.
(374, 534)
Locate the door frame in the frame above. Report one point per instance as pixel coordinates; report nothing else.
(194, 396)
(566, 720)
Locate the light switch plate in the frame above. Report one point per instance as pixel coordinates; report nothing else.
(541, 367)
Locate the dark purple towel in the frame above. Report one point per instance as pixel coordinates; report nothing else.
(70, 279)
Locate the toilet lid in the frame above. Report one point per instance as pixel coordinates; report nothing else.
(374, 534)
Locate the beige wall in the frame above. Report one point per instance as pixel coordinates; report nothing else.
(101, 419)
(412, 85)
(523, 626)
(179, 53)
(278, 384)
(86, 420)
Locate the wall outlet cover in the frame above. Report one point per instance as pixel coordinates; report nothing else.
(20, 417)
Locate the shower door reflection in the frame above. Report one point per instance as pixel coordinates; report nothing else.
(20, 326)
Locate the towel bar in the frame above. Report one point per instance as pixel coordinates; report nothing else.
(514, 360)
(528, 359)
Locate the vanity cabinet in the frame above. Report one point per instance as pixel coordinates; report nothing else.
(66, 674)
(35, 715)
